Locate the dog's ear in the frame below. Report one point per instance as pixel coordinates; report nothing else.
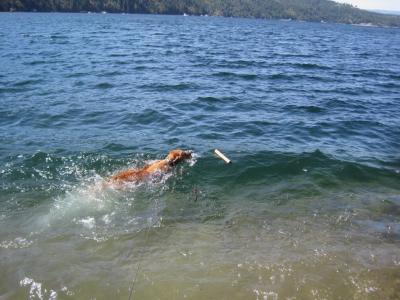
(175, 159)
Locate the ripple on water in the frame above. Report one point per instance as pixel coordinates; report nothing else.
(103, 85)
(161, 87)
(310, 66)
(36, 62)
(236, 75)
(27, 82)
(305, 108)
(284, 220)
(208, 103)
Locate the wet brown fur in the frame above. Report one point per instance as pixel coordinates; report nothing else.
(164, 165)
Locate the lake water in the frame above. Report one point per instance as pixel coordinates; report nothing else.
(309, 113)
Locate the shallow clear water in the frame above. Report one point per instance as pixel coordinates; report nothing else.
(309, 114)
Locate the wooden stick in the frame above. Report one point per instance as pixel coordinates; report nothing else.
(222, 156)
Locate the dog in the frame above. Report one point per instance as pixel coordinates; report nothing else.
(159, 166)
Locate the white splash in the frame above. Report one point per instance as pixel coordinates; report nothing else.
(35, 288)
(37, 291)
(265, 295)
(18, 242)
(88, 222)
(193, 160)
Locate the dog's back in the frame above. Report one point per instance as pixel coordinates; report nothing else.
(174, 157)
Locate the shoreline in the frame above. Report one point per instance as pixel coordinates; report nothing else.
(362, 24)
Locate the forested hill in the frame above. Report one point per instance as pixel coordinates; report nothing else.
(307, 10)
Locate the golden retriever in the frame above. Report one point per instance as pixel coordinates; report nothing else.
(164, 165)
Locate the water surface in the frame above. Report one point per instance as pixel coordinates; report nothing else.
(309, 113)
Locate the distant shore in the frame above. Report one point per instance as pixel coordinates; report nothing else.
(206, 15)
(300, 10)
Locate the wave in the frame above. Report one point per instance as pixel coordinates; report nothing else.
(118, 55)
(303, 65)
(237, 75)
(78, 200)
(168, 87)
(36, 62)
(390, 85)
(295, 77)
(306, 108)
(280, 76)
(26, 171)
(209, 103)
(58, 36)
(68, 197)
(310, 66)
(111, 74)
(121, 62)
(27, 82)
(77, 74)
(103, 85)
(140, 67)
(13, 90)
(146, 117)
(240, 63)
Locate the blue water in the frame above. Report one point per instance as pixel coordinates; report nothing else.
(309, 113)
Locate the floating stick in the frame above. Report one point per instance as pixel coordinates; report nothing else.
(222, 156)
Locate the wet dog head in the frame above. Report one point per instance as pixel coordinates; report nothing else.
(178, 155)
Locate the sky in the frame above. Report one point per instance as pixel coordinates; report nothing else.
(374, 4)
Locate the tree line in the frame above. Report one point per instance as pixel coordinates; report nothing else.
(306, 10)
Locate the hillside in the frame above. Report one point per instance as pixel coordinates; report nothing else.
(307, 10)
